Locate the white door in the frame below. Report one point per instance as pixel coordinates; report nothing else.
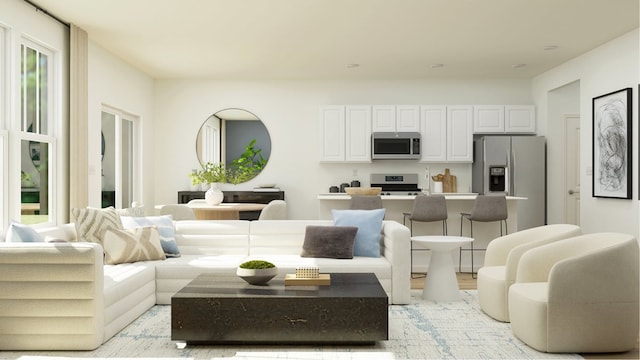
(572, 169)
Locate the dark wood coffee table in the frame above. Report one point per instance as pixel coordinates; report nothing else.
(353, 309)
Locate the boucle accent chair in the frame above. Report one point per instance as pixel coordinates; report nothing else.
(578, 295)
(501, 264)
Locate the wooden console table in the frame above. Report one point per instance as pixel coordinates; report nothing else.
(253, 197)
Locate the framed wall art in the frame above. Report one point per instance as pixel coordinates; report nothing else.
(612, 145)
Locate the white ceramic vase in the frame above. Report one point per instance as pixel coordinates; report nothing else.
(214, 195)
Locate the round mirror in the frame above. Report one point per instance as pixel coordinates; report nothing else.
(238, 139)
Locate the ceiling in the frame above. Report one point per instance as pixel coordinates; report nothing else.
(320, 39)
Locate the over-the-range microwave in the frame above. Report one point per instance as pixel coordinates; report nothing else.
(395, 145)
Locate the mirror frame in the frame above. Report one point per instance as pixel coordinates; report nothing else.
(222, 116)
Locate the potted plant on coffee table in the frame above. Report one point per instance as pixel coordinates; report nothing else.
(257, 272)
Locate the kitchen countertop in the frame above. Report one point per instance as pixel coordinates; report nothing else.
(448, 196)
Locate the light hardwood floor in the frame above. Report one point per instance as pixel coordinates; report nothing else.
(466, 282)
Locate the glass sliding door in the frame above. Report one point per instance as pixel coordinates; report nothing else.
(118, 159)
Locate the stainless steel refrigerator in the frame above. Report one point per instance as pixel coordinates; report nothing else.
(515, 166)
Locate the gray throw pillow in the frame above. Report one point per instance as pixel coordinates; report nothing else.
(334, 242)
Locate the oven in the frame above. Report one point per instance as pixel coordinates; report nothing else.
(396, 184)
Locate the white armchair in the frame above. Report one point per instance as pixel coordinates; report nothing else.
(501, 264)
(578, 295)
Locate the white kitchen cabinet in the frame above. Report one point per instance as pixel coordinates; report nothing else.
(383, 118)
(447, 133)
(400, 118)
(460, 133)
(345, 133)
(520, 119)
(488, 119)
(504, 119)
(407, 118)
(358, 133)
(332, 133)
(434, 133)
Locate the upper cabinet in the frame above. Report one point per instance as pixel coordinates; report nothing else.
(520, 119)
(332, 133)
(501, 119)
(358, 134)
(447, 133)
(407, 118)
(460, 133)
(345, 133)
(392, 118)
(488, 119)
(434, 133)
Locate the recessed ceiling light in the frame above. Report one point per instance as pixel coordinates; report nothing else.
(351, 66)
(550, 47)
(436, 66)
(518, 66)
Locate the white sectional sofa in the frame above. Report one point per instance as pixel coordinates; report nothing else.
(60, 296)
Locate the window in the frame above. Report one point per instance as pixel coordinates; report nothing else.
(118, 158)
(34, 86)
(36, 140)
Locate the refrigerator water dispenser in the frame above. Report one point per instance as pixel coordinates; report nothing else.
(497, 178)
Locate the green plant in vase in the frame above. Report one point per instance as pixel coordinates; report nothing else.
(212, 175)
(209, 174)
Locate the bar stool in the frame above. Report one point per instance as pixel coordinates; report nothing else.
(365, 202)
(426, 208)
(486, 208)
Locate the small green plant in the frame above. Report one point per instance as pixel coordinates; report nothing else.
(210, 173)
(256, 264)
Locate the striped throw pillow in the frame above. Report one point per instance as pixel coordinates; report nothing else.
(131, 245)
(91, 223)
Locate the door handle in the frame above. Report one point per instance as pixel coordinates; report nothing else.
(571, 192)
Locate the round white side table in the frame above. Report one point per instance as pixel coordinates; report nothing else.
(441, 283)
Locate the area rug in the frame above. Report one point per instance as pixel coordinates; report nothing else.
(420, 330)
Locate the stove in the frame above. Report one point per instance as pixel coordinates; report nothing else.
(396, 184)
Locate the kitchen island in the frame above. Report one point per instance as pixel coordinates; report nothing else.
(396, 205)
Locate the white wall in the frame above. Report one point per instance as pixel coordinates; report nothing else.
(289, 110)
(610, 67)
(117, 84)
